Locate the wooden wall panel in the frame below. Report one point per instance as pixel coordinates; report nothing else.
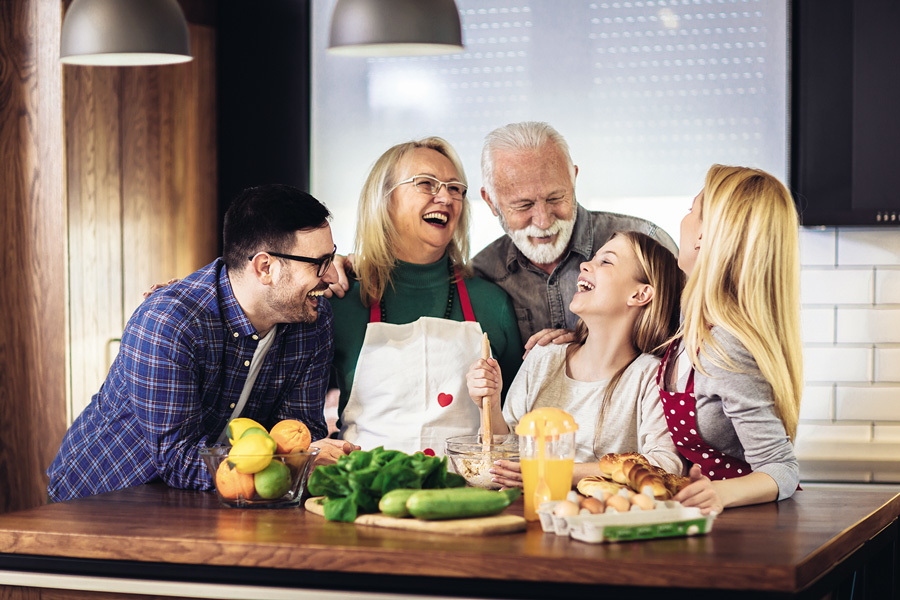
(200, 220)
(32, 260)
(141, 151)
(169, 192)
(92, 263)
(95, 225)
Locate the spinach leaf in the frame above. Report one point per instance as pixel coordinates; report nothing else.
(340, 509)
(356, 482)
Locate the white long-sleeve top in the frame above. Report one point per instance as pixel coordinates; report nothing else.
(633, 420)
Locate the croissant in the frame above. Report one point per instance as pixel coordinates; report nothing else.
(639, 477)
(611, 463)
(635, 471)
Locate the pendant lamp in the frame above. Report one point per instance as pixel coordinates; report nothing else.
(395, 28)
(124, 33)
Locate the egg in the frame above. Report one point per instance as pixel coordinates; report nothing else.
(566, 508)
(592, 505)
(643, 502)
(618, 503)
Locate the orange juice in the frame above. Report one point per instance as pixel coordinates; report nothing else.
(558, 474)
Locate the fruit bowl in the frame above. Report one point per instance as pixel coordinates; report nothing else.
(468, 457)
(280, 484)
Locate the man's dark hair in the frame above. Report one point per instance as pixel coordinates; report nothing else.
(265, 218)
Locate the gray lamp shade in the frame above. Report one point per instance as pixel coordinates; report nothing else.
(124, 32)
(395, 27)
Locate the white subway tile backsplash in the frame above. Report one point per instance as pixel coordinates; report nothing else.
(868, 325)
(887, 286)
(817, 246)
(837, 286)
(824, 364)
(817, 325)
(867, 403)
(833, 432)
(860, 246)
(817, 403)
(887, 364)
(832, 470)
(885, 476)
(850, 322)
(886, 434)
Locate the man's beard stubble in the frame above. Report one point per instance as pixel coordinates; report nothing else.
(292, 309)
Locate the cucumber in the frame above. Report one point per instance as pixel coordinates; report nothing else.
(458, 503)
(393, 504)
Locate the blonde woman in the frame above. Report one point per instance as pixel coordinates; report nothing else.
(627, 304)
(733, 410)
(412, 322)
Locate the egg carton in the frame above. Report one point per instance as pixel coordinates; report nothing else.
(667, 519)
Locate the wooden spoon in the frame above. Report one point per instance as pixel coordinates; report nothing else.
(487, 432)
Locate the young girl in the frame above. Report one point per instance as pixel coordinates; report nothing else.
(733, 413)
(627, 301)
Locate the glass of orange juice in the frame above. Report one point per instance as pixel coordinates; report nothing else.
(546, 451)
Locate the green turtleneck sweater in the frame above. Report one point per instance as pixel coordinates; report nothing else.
(421, 291)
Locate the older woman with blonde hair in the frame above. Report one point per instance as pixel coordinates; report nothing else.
(412, 322)
(733, 413)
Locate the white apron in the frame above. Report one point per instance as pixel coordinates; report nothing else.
(409, 391)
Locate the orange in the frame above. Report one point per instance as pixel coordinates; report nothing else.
(233, 484)
(290, 436)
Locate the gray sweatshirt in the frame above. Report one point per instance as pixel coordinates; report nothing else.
(736, 415)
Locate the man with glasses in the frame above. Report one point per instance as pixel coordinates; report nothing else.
(244, 336)
(528, 180)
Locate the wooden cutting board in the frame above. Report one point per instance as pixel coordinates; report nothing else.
(479, 526)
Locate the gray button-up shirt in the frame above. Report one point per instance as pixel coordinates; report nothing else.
(541, 300)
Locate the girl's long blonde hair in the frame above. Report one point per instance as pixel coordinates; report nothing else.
(747, 281)
(376, 235)
(658, 320)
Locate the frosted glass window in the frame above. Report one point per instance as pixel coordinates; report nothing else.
(648, 93)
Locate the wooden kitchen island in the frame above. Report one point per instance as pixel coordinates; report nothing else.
(155, 541)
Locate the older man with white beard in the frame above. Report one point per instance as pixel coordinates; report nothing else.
(529, 184)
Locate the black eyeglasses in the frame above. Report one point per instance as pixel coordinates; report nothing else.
(322, 263)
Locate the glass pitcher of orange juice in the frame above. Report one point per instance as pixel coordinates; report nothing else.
(546, 455)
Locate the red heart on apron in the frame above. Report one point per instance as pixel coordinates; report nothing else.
(444, 399)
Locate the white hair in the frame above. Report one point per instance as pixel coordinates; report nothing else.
(527, 135)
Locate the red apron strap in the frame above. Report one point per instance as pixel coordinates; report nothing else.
(468, 313)
(464, 301)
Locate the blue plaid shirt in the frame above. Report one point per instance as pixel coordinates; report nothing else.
(182, 363)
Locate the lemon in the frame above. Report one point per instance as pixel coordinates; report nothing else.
(237, 428)
(252, 453)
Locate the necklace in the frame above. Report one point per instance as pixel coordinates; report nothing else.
(449, 296)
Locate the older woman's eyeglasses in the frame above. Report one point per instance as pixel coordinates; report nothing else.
(322, 263)
(425, 184)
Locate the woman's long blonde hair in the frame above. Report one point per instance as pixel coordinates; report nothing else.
(376, 235)
(747, 281)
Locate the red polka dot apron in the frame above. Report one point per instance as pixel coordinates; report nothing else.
(681, 416)
(409, 391)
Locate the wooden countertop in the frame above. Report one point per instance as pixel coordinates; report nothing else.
(777, 547)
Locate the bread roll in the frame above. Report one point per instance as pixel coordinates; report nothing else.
(598, 487)
(635, 471)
